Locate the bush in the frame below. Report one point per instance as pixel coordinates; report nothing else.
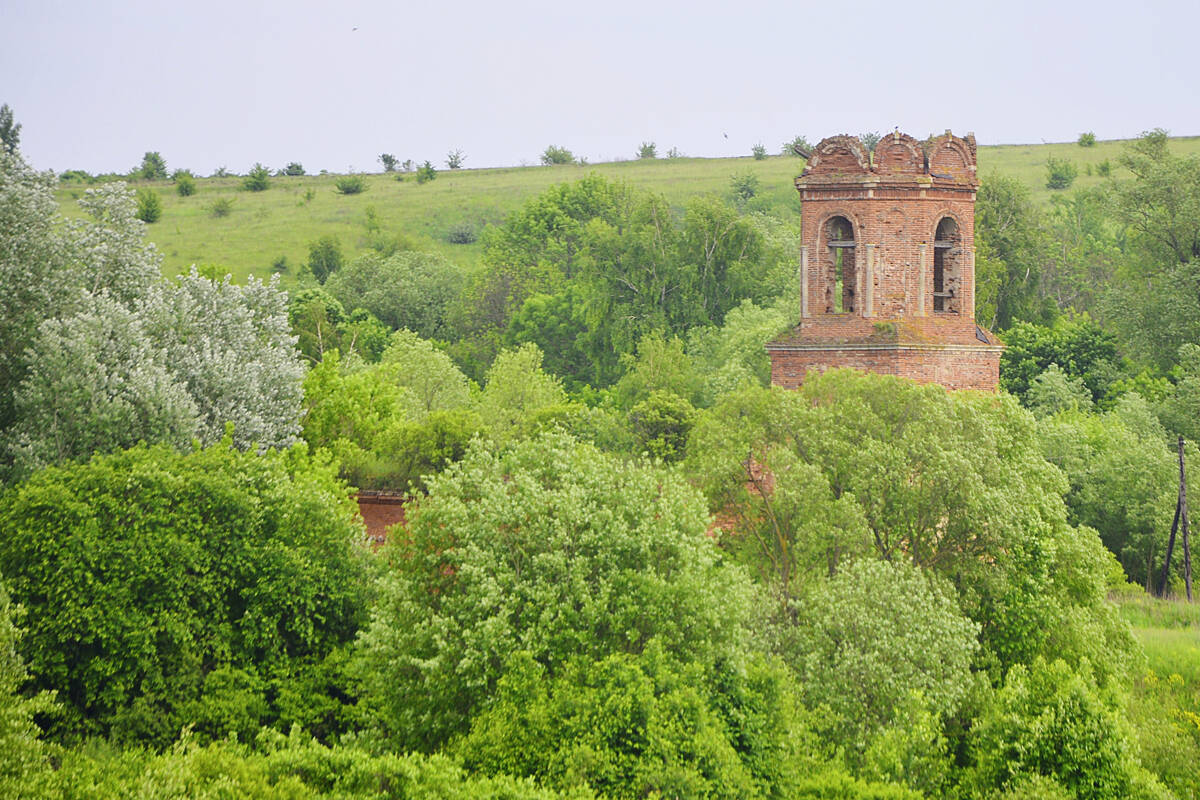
(166, 566)
(324, 257)
(405, 290)
(257, 179)
(350, 184)
(185, 184)
(461, 233)
(221, 207)
(557, 155)
(1060, 173)
(426, 173)
(149, 205)
(389, 162)
(759, 151)
(869, 140)
(455, 159)
(1087, 139)
(1104, 168)
(647, 150)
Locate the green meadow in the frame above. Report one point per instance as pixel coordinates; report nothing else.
(269, 231)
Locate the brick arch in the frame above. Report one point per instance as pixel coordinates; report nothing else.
(841, 154)
(899, 154)
(839, 211)
(951, 158)
(950, 265)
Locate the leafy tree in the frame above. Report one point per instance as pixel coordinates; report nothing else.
(516, 388)
(257, 179)
(887, 629)
(1178, 411)
(1054, 391)
(759, 151)
(555, 323)
(10, 131)
(96, 383)
(152, 168)
(389, 162)
(1080, 348)
(661, 424)
(426, 173)
(26, 764)
(744, 186)
(1060, 173)
(432, 378)
(407, 290)
(647, 150)
(1053, 721)
(35, 276)
(232, 348)
(554, 154)
(149, 205)
(365, 335)
(796, 146)
(869, 140)
(1010, 251)
(324, 257)
(734, 354)
(342, 403)
(952, 482)
(1087, 139)
(1086, 252)
(661, 364)
(166, 565)
(316, 318)
(185, 183)
(293, 169)
(455, 159)
(550, 548)
(1122, 477)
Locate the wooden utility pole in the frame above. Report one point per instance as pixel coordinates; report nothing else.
(1183, 517)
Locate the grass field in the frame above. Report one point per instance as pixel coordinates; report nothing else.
(264, 227)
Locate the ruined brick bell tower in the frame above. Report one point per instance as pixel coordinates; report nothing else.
(887, 265)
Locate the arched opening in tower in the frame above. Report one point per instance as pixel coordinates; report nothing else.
(946, 272)
(841, 276)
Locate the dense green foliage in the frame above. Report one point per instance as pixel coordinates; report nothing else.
(210, 588)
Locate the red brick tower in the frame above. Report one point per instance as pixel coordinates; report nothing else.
(887, 266)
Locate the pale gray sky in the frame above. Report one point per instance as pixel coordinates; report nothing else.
(334, 84)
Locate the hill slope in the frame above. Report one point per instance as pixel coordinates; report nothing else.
(266, 227)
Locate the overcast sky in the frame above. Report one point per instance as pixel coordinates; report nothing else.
(332, 85)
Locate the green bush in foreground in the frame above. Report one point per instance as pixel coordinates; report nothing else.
(165, 588)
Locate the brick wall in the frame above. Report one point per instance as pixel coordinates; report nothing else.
(894, 201)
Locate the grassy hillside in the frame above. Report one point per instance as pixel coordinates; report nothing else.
(279, 223)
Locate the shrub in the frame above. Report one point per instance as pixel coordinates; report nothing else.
(389, 162)
(350, 184)
(557, 155)
(220, 172)
(280, 264)
(407, 166)
(185, 184)
(324, 257)
(293, 169)
(674, 153)
(257, 179)
(426, 173)
(1104, 168)
(455, 159)
(647, 150)
(149, 205)
(869, 140)
(1087, 139)
(759, 151)
(221, 207)
(461, 233)
(1060, 173)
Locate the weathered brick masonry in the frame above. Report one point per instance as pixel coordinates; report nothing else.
(887, 265)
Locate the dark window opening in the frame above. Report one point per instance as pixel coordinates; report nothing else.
(840, 266)
(946, 256)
